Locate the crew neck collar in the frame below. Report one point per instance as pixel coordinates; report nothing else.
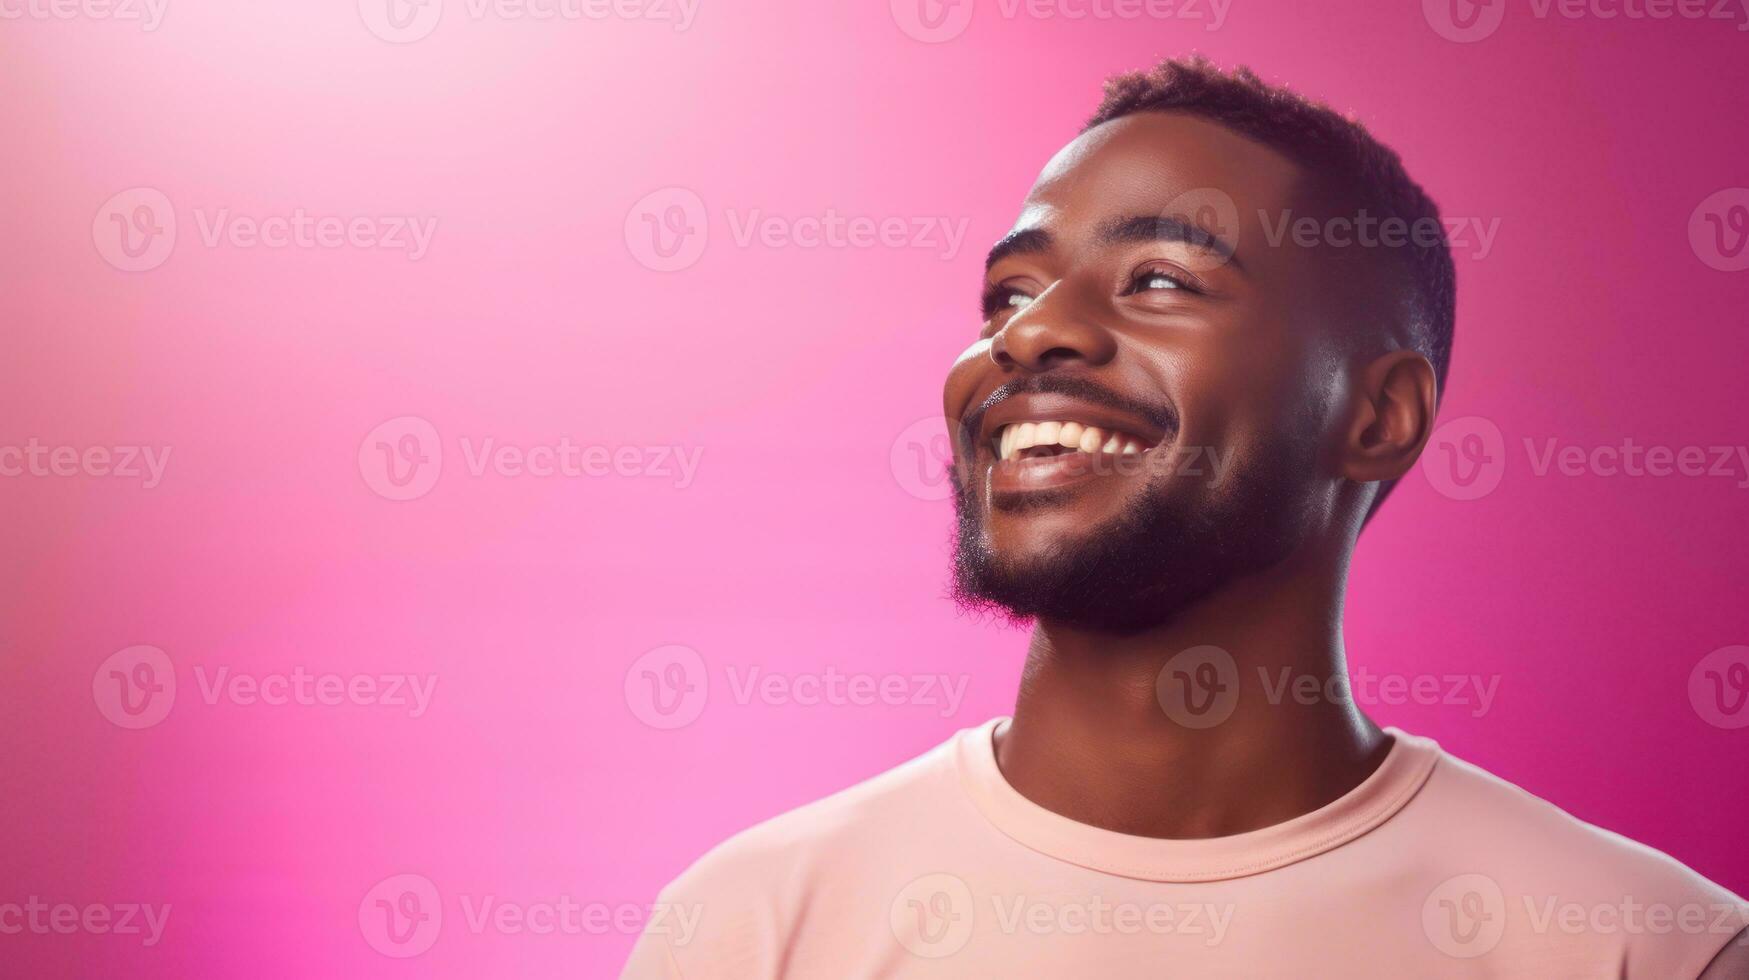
(1378, 797)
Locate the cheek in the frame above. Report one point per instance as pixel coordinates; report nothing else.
(1252, 403)
(962, 380)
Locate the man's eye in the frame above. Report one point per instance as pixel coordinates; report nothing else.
(1157, 279)
(1000, 299)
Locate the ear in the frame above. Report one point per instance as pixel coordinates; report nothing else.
(1394, 401)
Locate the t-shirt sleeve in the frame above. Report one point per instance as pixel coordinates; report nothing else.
(652, 959)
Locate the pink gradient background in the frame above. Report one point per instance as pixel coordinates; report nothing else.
(795, 371)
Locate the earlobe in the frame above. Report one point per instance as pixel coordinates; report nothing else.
(1394, 402)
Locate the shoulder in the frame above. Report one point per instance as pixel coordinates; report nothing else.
(786, 849)
(745, 897)
(1553, 848)
(1560, 880)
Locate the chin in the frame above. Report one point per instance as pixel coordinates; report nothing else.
(1113, 555)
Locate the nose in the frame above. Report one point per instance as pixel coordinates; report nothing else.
(1049, 333)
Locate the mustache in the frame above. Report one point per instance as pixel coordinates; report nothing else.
(1161, 415)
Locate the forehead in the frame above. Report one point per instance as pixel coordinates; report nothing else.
(1146, 163)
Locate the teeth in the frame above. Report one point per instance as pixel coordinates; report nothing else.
(1014, 439)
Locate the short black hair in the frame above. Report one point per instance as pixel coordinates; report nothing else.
(1338, 152)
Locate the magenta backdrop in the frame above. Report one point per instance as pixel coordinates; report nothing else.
(363, 249)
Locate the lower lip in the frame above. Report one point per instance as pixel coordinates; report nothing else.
(1053, 472)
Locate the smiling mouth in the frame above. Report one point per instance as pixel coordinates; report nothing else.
(1039, 440)
(1039, 461)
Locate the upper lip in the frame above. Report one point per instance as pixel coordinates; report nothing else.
(1050, 407)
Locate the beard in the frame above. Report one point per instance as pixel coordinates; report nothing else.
(1170, 547)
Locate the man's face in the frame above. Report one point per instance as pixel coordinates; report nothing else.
(1139, 296)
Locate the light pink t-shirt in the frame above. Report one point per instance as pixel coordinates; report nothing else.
(939, 868)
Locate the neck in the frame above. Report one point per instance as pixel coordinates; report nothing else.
(1101, 737)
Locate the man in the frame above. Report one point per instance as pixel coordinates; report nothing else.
(1171, 430)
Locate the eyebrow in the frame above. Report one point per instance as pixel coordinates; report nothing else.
(1139, 228)
(1027, 242)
